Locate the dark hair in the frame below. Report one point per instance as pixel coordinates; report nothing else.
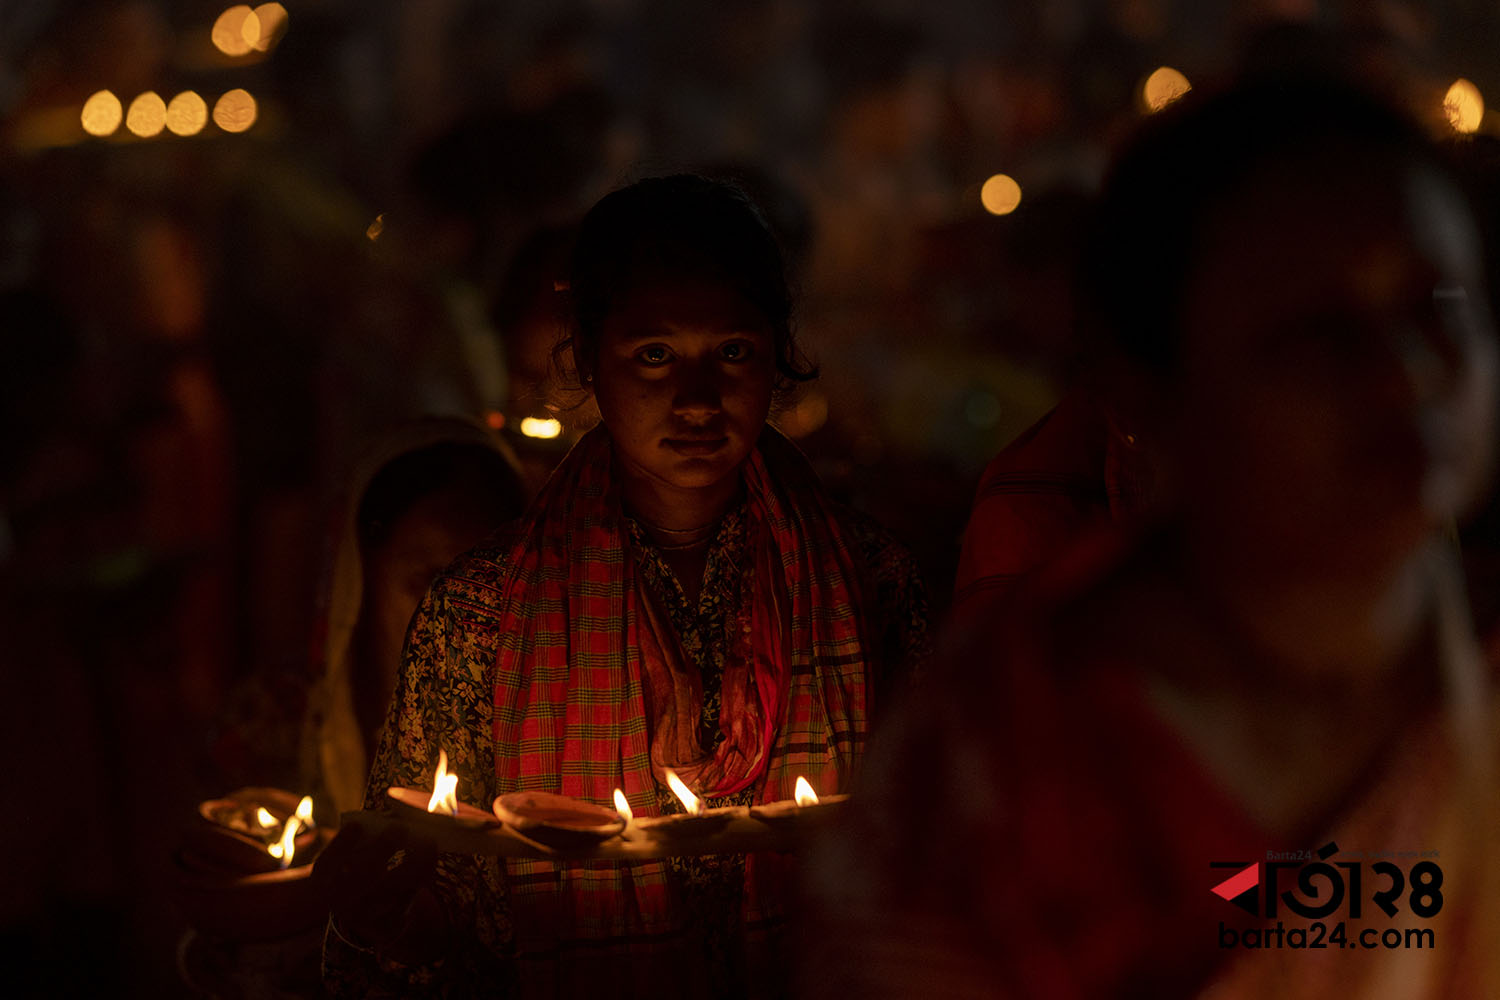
(680, 226)
(1190, 161)
(483, 482)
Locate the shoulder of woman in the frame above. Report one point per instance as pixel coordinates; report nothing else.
(472, 585)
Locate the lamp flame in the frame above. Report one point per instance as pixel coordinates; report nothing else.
(804, 793)
(622, 806)
(444, 788)
(690, 802)
(305, 812)
(284, 848)
(264, 818)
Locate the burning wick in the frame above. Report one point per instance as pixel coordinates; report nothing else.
(804, 793)
(300, 820)
(622, 806)
(444, 788)
(264, 818)
(690, 802)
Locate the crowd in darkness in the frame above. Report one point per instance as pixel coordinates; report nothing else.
(259, 388)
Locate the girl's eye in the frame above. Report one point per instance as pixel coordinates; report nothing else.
(654, 355)
(735, 350)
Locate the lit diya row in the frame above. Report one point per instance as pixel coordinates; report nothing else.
(559, 821)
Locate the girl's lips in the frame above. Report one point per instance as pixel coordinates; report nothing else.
(696, 447)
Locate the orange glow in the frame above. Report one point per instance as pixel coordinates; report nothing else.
(233, 27)
(264, 27)
(539, 427)
(807, 415)
(690, 802)
(444, 788)
(102, 113)
(622, 806)
(376, 228)
(804, 794)
(1000, 195)
(264, 818)
(1464, 106)
(235, 111)
(147, 115)
(186, 114)
(495, 419)
(1162, 87)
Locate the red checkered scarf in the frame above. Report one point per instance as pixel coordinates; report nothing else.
(584, 656)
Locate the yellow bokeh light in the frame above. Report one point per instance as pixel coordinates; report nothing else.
(1000, 195)
(235, 111)
(1464, 106)
(102, 113)
(1162, 87)
(232, 28)
(186, 114)
(264, 27)
(540, 427)
(147, 115)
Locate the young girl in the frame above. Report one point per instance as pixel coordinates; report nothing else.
(682, 594)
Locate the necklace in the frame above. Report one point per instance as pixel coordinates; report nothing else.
(686, 538)
(685, 546)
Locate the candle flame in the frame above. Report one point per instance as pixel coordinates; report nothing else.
(284, 848)
(264, 818)
(690, 802)
(804, 794)
(622, 806)
(305, 812)
(444, 788)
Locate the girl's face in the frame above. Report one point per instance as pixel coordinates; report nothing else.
(1338, 371)
(683, 380)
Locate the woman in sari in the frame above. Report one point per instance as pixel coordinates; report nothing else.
(1278, 673)
(681, 594)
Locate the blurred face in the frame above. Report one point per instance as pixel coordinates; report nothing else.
(683, 380)
(417, 547)
(1338, 371)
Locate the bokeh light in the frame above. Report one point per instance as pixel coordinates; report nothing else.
(1464, 106)
(102, 113)
(235, 111)
(232, 29)
(264, 27)
(376, 228)
(1000, 195)
(540, 427)
(1162, 87)
(147, 115)
(187, 113)
(982, 409)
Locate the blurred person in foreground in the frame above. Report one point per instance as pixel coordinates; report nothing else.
(682, 594)
(1291, 282)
